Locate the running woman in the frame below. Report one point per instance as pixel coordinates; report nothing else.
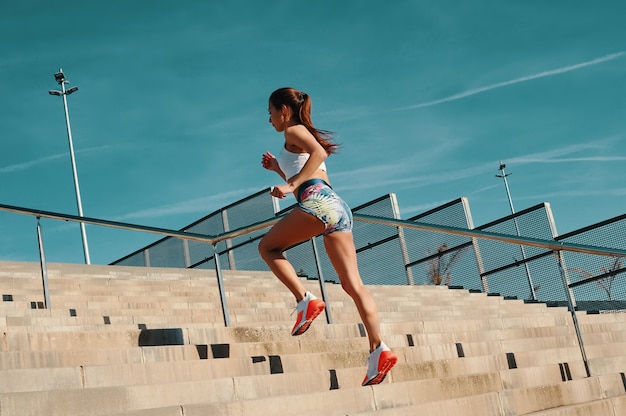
(301, 164)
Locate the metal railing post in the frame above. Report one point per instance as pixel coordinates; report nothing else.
(320, 275)
(220, 285)
(186, 255)
(229, 242)
(531, 285)
(44, 267)
(401, 238)
(570, 305)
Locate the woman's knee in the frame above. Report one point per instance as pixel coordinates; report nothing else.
(263, 249)
(350, 288)
(267, 251)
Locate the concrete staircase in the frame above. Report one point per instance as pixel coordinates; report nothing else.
(147, 341)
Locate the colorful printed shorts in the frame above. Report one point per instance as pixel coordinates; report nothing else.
(317, 198)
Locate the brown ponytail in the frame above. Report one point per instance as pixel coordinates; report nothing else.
(300, 104)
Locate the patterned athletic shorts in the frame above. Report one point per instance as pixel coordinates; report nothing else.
(317, 198)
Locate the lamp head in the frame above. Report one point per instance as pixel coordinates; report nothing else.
(55, 92)
(59, 76)
(71, 90)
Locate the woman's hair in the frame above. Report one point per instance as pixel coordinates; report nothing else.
(300, 105)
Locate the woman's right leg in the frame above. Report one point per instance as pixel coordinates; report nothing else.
(342, 254)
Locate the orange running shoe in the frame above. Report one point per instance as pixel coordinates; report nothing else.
(379, 363)
(308, 309)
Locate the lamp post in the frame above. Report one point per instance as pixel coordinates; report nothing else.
(60, 79)
(508, 194)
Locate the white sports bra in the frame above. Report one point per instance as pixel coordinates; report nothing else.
(291, 163)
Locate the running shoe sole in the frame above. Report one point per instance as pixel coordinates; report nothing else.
(382, 373)
(315, 309)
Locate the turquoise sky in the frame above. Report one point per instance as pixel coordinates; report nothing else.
(427, 97)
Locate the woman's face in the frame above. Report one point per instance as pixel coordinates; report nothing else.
(277, 118)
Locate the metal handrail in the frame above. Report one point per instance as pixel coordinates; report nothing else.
(128, 226)
(214, 239)
(505, 238)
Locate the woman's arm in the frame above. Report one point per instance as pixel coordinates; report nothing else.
(269, 162)
(299, 138)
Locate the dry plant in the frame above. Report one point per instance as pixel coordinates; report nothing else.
(439, 267)
(606, 282)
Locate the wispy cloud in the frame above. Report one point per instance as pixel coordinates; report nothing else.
(558, 155)
(204, 205)
(574, 159)
(544, 74)
(398, 175)
(411, 179)
(484, 189)
(27, 165)
(605, 192)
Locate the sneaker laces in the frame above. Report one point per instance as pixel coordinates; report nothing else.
(297, 303)
(369, 357)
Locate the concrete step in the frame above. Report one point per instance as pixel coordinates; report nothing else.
(37, 349)
(604, 337)
(476, 405)
(615, 349)
(615, 406)
(139, 287)
(340, 311)
(488, 405)
(236, 390)
(179, 314)
(275, 339)
(551, 397)
(601, 318)
(347, 368)
(603, 328)
(479, 394)
(608, 365)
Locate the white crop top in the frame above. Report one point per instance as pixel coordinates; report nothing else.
(291, 163)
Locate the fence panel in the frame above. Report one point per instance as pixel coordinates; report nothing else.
(598, 282)
(528, 273)
(436, 258)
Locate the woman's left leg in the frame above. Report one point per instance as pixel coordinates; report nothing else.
(294, 228)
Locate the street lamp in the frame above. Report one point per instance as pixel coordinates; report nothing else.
(508, 194)
(60, 79)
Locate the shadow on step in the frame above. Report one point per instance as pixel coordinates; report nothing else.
(160, 337)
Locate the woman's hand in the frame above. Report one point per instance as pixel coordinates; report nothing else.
(281, 191)
(269, 162)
